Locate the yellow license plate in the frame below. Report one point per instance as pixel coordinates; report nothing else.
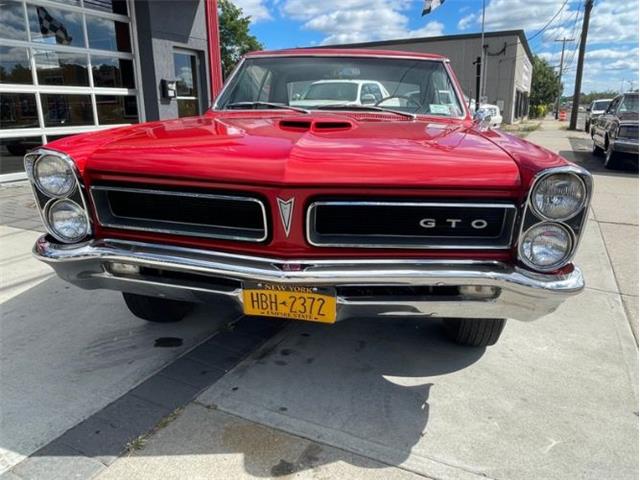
(289, 301)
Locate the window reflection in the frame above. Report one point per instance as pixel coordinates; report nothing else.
(187, 108)
(18, 110)
(55, 26)
(12, 151)
(112, 72)
(14, 65)
(12, 20)
(105, 34)
(185, 70)
(61, 68)
(112, 6)
(113, 109)
(66, 110)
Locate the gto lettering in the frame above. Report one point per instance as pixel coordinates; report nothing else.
(479, 224)
(427, 223)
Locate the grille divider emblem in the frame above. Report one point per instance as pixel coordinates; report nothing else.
(285, 207)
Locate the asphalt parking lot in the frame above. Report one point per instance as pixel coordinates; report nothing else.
(556, 398)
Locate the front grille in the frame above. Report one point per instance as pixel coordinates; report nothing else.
(229, 217)
(404, 224)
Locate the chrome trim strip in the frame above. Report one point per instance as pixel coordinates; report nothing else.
(30, 160)
(524, 295)
(143, 191)
(310, 217)
(587, 179)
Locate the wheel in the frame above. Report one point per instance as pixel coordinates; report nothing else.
(611, 157)
(474, 332)
(157, 310)
(587, 127)
(596, 150)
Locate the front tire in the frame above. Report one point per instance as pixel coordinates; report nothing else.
(596, 150)
(474, 332)
(611, 159)
(157, 310)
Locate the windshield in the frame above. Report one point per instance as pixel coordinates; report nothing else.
(332, 91)
(629, 104)
(601, 105)
(406, 85)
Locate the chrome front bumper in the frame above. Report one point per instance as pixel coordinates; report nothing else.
(201, 276)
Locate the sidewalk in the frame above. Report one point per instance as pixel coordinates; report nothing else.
(555, 399)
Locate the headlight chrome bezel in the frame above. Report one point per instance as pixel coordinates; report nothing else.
(71, 170)
(54, 231)
(556, 265)
(545, 177)
(573, 224)
(45, 200)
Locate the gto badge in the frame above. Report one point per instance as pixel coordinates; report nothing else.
(286, 213)
(478, 223)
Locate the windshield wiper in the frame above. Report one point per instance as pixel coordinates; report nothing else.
(370, 108)
(266, 104)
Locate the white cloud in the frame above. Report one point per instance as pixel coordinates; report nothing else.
(350, 21)
(256, 9)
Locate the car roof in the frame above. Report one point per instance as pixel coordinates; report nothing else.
(344, 52)
(602, 100)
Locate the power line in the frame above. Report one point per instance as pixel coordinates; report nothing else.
(549, 22)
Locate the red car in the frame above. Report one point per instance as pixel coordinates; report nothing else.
(321, 207)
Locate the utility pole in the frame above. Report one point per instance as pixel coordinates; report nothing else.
(588, 5)
(564, 41)
(482, 61)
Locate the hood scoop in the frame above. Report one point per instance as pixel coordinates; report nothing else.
(315, 125)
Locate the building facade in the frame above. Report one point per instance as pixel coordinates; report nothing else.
(509, 65)
(72, 66)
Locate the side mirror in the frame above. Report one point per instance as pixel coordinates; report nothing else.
(368, 99)
(482, 120)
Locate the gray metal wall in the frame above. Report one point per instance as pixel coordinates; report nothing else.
(162, 27)
(507, 64)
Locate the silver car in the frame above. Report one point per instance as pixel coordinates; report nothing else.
(594, 110)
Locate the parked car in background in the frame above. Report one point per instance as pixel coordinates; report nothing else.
(594, 110)
(321, 213)
(615, 132)
(494, 112)
(352, 92)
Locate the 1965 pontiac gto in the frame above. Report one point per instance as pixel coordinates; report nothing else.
(308, 192)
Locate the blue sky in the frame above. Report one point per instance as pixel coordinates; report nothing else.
(612, 47)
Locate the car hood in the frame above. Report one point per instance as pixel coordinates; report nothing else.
(303, 150)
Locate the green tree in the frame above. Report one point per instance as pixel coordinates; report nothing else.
(545, 86)
(235, 39)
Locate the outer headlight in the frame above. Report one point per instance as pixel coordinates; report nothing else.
(559, 196)
(53, 176)
(546, 246)
(67, 221)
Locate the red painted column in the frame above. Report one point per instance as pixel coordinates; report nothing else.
(215, 63)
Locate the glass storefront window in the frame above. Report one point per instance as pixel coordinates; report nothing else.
(55, 26)
(61, 68)
(18, 110)
(113, 109)
(105, 34)
(66, 110)
(187, 108)
(112, 72)
(14, 65)
(185, 65)
(12, 151)
(12, 23)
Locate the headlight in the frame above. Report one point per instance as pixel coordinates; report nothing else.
(54, 176)
(545, 246)
(67, 221)
(559, 196)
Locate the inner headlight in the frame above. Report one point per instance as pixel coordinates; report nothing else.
(545, 246)
(67, 221)
(54, 176)
(559, 196)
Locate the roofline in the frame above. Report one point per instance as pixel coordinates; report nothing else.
(345, 52)
(403, 41)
